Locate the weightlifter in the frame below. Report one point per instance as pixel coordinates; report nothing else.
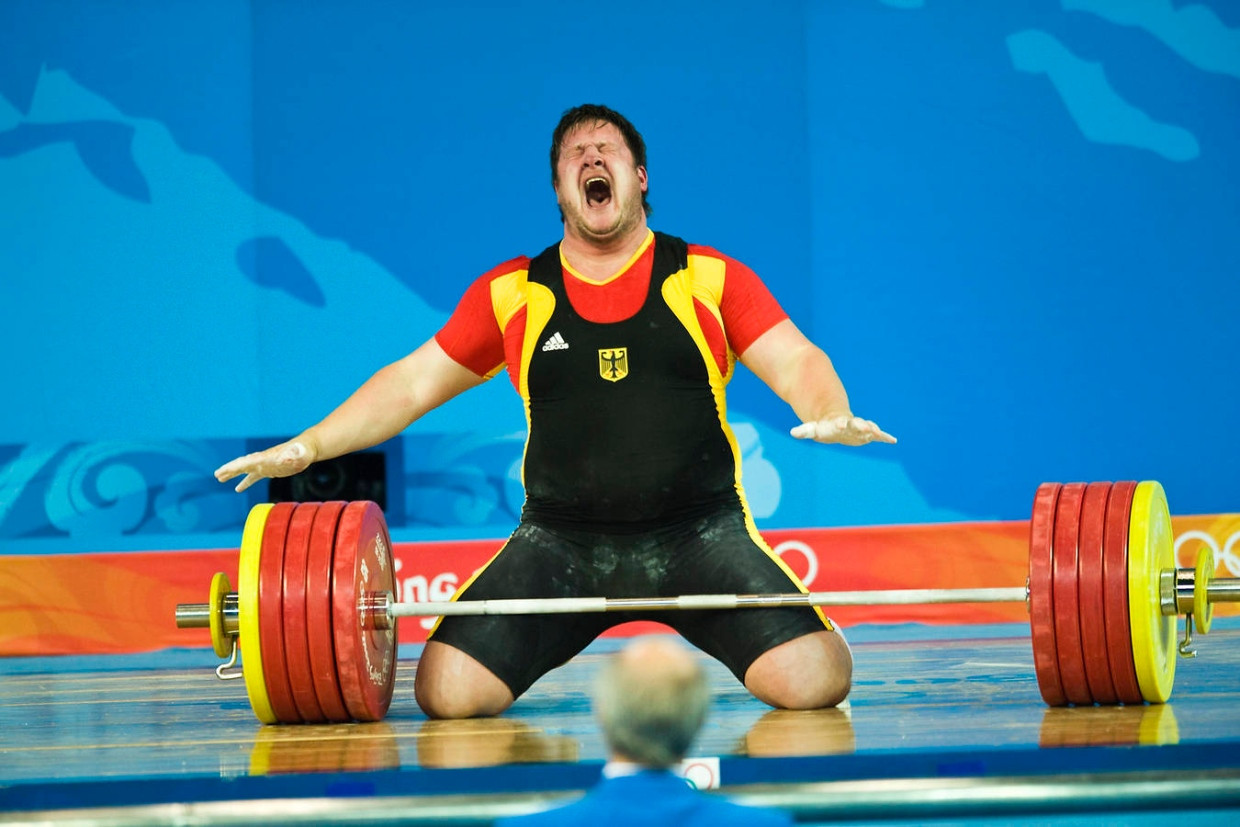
(620, 341)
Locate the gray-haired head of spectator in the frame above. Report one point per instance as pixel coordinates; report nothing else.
(651, 700)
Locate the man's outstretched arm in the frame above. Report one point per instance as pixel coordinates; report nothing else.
(386, 404)
(802, 375)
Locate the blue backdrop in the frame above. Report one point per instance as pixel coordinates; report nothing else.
(1014, 226)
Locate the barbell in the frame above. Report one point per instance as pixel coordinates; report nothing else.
(315, 617)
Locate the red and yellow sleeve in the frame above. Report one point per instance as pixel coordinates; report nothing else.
(472, 335)
(746, 306)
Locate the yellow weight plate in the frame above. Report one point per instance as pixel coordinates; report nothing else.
(1203, 610)
(220, 640)
(1151, 549)
(247, 612)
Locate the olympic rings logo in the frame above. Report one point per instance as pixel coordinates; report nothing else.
(806, 551)
(700, 773)
(1227, 556)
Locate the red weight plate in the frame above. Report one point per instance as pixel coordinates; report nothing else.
(365, 654)
(1067, 611)
(1041, 593)
(1115, 593)
(1090, 593)
(271, 614)
(319, 612)
(296, 639)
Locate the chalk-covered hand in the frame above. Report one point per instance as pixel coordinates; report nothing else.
(283, 460)
(844, 429)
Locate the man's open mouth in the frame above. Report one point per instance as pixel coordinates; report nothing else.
(598, 192)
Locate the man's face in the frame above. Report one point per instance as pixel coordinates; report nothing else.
(598, 186)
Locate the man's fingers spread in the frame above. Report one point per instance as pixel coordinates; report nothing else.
(247, 481)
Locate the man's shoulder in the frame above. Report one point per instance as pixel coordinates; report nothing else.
(730, 264)
(705, 250)
(512, 265)
(516, 265)
(508, 278)
(666, 798)
(656, 802)
(694, 249)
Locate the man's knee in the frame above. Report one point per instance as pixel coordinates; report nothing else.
(809, 672)
(451, 684)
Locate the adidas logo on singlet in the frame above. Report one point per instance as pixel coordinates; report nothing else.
(556, 342)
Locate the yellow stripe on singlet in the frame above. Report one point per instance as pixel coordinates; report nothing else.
(703, 279)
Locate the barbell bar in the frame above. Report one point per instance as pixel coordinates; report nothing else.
(1103, 592)
(382, 608)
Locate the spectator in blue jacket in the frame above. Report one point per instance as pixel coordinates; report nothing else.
(650, 700)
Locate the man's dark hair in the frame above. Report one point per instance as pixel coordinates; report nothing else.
(594, 114)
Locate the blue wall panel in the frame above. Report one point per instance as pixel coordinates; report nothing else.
(1009, 223)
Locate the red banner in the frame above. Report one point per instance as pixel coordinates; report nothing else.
(125, 602)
